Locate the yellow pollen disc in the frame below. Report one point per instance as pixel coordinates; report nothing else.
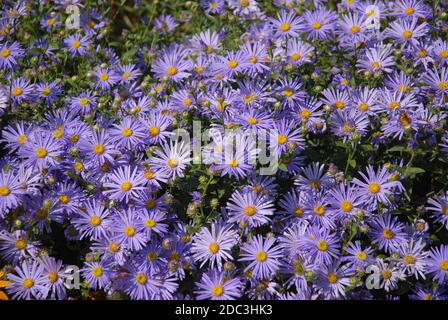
(17, 91)
(361, 255)
(249, 98)
(322, 245)
(233, 163)
(83, 101)
(261, 256)
(154, 131)
(376, 65)
(127, 132)
(386, 274)
(53, 277)
(126, 186)
(20, 244)
(152, 256)
(113, 247)
(250, 210)
(150, 204)
(288, 92)
(150, 223)
(305, 114)
(28, 283)
(41, 152)
(346, 206)
(213, 247)
(57, 134)
(298, 212)
(315, 184)
(172, 163)
(285, 27)
(74, 138)
(217, 291)
(282, 139)
(188, 102)
(374, 187)
(363, 106)
(22, 139)
(370, 13)
(78, 166)
(443, 265)
(46, 91)
(126, 75)
(104, 77)
(422, 53)
(443, 54)
(149, 175)
(4, 191)
(41, 214)
(445, 209)
(319, 210)
(76, 44)
(355, 29)
(388, 233)
(295, 56)
(252, 120)
(253, 59)
(332, 278)
(339, 104)
(316, 25)
(5, 53)
(199, 69)
(405, 120)
(140, 278)
(129, 231)
(171, 71)
(98, 149)
(427, 297)
(97, 271)
(409, 11)
(407, 34)
(232, 64)
(95, 221)
(442, 85)
(408, 259)
(64, 199)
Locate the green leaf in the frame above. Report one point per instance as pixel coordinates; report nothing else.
(414, 170)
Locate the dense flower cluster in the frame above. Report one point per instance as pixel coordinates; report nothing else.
(351, 98)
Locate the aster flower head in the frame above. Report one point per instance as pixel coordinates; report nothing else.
(77, 45)
(249, 209)
(287, 24)
(437, 264)
(125, 183)
(217, 285)
(388, 232)
(9, 55)
(29, 281)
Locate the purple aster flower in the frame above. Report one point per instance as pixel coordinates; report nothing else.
(427, 292)
(313, 178)
(406, 32)
(263, 255)
(345, 200)
(77, 45)
(287, 24)
(358, 258)
(231, 64)
(413, 258)
(98, 274)
(105, 78)
(390, 274)
(124, 184)
(16, 246)
(55, 277)
(29, 282)
(92, 220)
(42, 151)
(128, 73)
(171, 66)
(11, 191)
(439, 208)
(214, 245)
(128, 230)
(388, 232)
(319, 24)
(153, 222)
(98, 148)
(9, 54)
(377, 59)
(21, 90)
(333, 279)
(437, 264)
(249, 209)
(298, 52)
(129, 133)
(84, 103)
(322, 245)
(172, 159)
(213, 6)
(217, 285)
(165, 23)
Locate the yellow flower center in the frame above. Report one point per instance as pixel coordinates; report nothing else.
(20, 244)
(4, 191)
(213, 247)
(285, 27)
(64, 199)
(298, 212)
(46, 91)
(17, 91)
(41, 214)
(376, 65)
(322, 245)
(442, 85)
(355, 29)
(95, 221)
(76, 44)
(422, 53)
(97, 271)
(172, 163)
(408, 259)
(250, 210)
(57, 134)
(319, 210)
(361, 255)
(339, 104)
(282, 139)
(388, 233)
(261, 256)
(126, 75)
(409, 11)
(443, 265)
(104, 77)
(140, 278)
(332, 278)
(233, 163)
(295, 56)
(232, 64)
(98, 149)
(5, 53)
(152, 256)
(129, 231)
(288, 92)
(171, 71)
(217, 291)
(78, 166)
(150, 204)
(113, 247)
(83, 101)
(316, 25)
(41, 152)
(126, 186)
(127, 132)
(244, 3)
(443, 54)
(407, 34)
(374, 187)
(150, 223)
(28, 283)
(22, 139)
(363, 106)
(53, 277)
(386, 274)
(149, 175)
(253, 59)
(346, 206)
